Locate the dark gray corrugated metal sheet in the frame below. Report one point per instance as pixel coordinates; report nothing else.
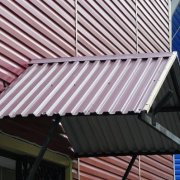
(87, 85)
(104, 29)
(115, 134)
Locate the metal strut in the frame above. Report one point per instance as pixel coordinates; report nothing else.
(159, 128)
(44, 147)
(129, 167)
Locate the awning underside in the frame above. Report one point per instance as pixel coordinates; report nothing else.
(115, 135)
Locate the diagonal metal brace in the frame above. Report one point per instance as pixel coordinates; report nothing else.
(159, 128)
(48, 139)
(129, 167)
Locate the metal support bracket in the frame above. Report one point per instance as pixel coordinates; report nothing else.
(129, 167)
(48, 139)
(159, 128)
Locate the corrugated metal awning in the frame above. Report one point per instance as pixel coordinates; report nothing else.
(100, 100)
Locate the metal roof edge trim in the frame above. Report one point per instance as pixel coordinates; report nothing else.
(98, 58)
(86, 155)
(55, 115)
(160, 82)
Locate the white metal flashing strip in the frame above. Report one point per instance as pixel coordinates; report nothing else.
(160, 82)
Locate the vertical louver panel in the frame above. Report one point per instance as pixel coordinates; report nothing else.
(177, 166)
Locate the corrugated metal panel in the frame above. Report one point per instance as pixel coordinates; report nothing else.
(162, 164)
(19, 45)
(177, 166)
(156, 167)
(104, 29)
(107, 168)
(34, 29)
(152, 167)
(119, 84)
(153, 26)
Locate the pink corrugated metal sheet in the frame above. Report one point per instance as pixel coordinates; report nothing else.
(107, 168)
(43, 29)
(120, 84)
(28, 32)
(151, 167)
(153, 26)
(156, 167)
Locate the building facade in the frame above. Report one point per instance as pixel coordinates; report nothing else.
(51, 29)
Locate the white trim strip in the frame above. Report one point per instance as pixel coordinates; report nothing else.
(160, 82)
